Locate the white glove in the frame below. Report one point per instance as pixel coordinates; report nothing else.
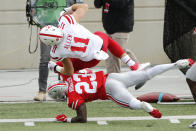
(52, 65)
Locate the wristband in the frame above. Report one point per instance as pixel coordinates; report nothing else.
(69, 120)
(57, 68)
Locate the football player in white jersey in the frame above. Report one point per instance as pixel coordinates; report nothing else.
(82, 87)
(77, 47)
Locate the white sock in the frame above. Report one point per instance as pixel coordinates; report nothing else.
(135, 104)
(147, 107)
(127, 60)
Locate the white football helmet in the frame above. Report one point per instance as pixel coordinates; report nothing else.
(51, 35)
(56, 90)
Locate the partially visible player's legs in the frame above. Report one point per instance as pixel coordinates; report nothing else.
(117, 51)
(131, 78)
(43, 72)
(113, 63)
(191, 80)
(117, 92)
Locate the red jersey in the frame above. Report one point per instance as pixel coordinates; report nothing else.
(85, 88)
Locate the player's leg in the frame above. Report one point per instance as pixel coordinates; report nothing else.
(131, 78)
(117, 92)
(191, 80)
(43, 72)
(117, 51)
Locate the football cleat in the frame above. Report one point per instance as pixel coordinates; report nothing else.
(152, 111)
(185, 63)
(134, 67)
(155, 113)
(193, 125)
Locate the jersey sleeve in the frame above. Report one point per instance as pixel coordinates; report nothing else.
(74, 101)
(66, 20)
(54, 53)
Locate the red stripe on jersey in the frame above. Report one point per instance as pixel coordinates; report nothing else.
(56, 58)
(59, 19)
(81, 40)
(63, 25)
(71, 19)
(66, 17)
(57, 36)
(118, 102)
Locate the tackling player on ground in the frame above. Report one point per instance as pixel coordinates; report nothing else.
(77, 47)
(80, 88)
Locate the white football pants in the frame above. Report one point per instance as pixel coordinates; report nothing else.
(118, 83)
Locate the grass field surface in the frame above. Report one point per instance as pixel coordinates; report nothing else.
(94, 109)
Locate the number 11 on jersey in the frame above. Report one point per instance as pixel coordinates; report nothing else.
(80, 40)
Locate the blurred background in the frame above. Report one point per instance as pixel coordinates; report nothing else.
(146, 40)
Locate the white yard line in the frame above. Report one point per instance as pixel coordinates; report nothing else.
(102, 119)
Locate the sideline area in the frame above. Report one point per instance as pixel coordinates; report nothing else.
(22, 85)
(100, 120)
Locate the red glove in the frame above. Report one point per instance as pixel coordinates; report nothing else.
(61, 117)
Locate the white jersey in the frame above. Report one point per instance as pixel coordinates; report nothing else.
(78, 42)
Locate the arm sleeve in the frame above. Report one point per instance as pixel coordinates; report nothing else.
(74, 101)
(66, 20)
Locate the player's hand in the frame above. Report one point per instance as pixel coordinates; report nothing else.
(52, 65)
(61, 117)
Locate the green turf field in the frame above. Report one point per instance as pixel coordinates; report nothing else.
(94, 109)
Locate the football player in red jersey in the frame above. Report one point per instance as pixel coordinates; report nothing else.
(80, 88)
(72, 43)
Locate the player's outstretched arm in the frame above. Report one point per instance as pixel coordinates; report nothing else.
(80, 118)
(68, 68)
(81, 115)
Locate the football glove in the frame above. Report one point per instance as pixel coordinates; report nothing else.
(61, 117)
(52, 65)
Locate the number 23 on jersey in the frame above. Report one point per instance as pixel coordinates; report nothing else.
(89, 87)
